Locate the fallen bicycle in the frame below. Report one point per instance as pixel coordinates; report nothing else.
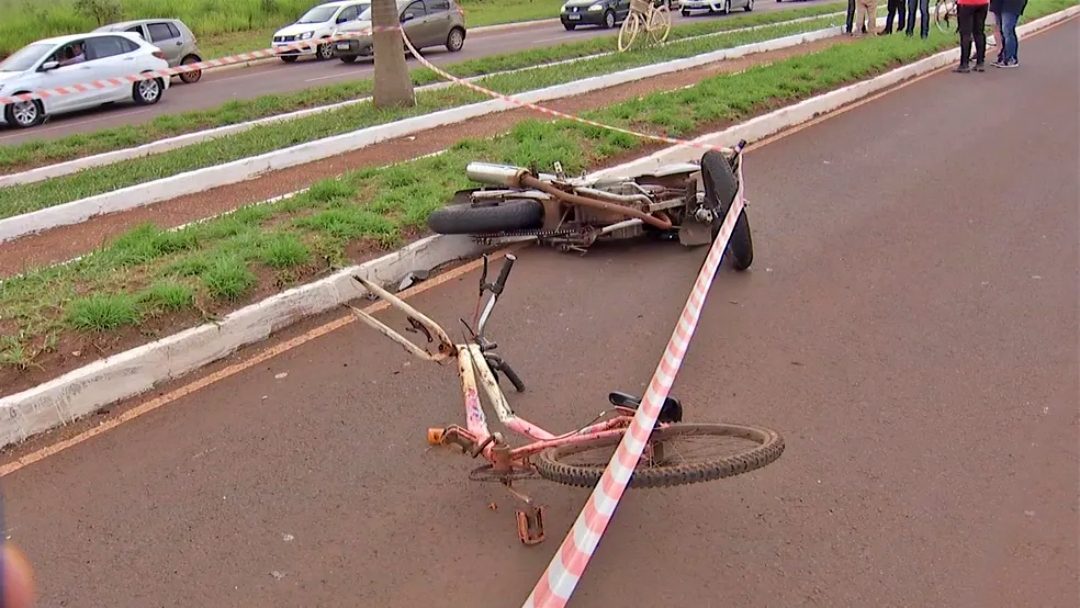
(579, 457)
(687, 201)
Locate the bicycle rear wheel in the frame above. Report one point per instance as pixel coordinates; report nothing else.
(945, 15)
(629, 31)
(736, 449)
(659, 25)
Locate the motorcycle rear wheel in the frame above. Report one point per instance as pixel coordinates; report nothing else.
(721, 187)
(504, 216)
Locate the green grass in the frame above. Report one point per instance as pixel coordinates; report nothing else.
(220, 261)
(222, 27)
(15, 200)
(42, 152)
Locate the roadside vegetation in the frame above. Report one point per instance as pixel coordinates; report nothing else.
(25, 198)
(42, 152)
(223, 27)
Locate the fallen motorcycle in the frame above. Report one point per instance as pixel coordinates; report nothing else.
(687, 201)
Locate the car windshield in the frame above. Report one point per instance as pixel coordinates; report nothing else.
(25, 58)
(319, 14)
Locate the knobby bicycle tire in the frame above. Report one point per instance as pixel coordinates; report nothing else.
(632, 25)
(767, 446)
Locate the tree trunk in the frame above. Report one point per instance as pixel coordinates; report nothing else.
(393, 87)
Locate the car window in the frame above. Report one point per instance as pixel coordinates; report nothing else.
(416, 8)
(349, 13)
(438, 6)
(108, 46)
(137, 30)
(25, 58)
(319, 14)
(161, 31)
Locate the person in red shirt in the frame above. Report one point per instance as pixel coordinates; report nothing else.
(971, 18)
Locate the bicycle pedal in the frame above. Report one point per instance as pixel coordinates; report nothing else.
(435, 436)
(530, 526)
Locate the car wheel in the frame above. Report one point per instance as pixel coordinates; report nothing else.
(324, 52)
(609, 20)
(455, 40)
(289, 58)
(147, 92)
(25, 114)
(685, 13)
(193, 76)
(347, 58)
(569, 26)
(749, 6)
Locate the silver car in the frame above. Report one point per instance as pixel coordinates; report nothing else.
(171, 36)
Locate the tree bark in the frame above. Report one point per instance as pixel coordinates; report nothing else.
(393, 87)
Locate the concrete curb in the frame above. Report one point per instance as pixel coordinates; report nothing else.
(85, 390)
(157, 147)
(244, 169)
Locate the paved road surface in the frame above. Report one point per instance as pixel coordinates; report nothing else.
(276, 77)
(910, 326)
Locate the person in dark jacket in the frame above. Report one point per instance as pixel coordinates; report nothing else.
(1010, 14)
(895, 7)
(924, 18)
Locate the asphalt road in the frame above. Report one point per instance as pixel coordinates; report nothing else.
(276, 77)
(910, 326)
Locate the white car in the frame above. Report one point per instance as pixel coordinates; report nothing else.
(715, 6)
(320, 22)
(66, 61)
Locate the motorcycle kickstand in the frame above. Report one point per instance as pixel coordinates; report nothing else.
(530, 520)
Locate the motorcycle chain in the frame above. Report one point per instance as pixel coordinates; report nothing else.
(490, 237)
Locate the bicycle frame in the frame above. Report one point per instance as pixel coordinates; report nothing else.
(474, 363)
(475, 372)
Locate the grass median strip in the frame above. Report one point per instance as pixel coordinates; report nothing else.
(151, 280)
(25, 198)
(37, 153)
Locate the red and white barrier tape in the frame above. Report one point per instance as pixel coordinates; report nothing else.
(109, 83)
(532, 106)
(561, 576)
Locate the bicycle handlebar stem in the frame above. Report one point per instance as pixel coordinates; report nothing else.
(495, 288)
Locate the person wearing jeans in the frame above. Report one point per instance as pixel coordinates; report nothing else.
(971, 17)
(924, 17)
(1010, 14)
(895, 7)
(995, 10)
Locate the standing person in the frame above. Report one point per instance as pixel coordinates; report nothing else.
(924, 18)
(850, 16)
(866, 15)
(971, 17)
(1010, 14)
(896, 7)
(995, 10)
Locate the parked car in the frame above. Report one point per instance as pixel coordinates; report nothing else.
(65, 61)
(715, 6)
(427, 23)
(604, 13)
(171, 36)
(320, 22)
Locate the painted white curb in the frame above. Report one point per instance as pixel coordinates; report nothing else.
(85, 390)
(157, 147)
(244, 169)
(769, 124)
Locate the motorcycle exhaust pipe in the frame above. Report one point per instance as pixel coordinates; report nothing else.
(496, 175)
